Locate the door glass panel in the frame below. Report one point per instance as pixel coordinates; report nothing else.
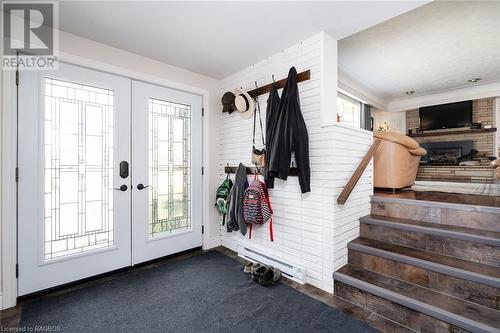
(78, 153)
(169, 167)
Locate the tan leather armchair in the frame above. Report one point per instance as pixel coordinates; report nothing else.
(396, 160)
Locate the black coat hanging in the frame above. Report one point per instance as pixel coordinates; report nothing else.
(272, 115)
(290, 136)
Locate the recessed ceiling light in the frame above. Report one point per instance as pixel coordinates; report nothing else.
(474, 80)
(411, 92)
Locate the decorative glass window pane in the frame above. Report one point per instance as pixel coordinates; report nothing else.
(169, 167)
(78, 154)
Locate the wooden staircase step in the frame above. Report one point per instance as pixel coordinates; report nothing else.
(471, 234)
(441, 213)
(463, 314)
(422, 269)
(467, 270)
(453, 232)
(476, 200)
(414, 320)
(454, 242)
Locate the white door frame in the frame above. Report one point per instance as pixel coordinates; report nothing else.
(8, 296)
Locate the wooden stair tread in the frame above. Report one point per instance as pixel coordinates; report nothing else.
(477, 268)
(461, 308)
(438, 226)
(373, 319)
(472, 200)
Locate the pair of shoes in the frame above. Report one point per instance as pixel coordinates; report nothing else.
(251, 267)
(266, 275)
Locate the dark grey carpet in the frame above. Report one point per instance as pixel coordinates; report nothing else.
(204, 293)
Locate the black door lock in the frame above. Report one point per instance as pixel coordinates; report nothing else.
(123, 169)
(141, 186)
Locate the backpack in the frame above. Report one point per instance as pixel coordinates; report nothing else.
(222, 196)
(257, 207)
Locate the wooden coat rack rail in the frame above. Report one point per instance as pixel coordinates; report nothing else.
(251, 170)
(301, 77)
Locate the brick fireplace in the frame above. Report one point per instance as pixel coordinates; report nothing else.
(445, 145)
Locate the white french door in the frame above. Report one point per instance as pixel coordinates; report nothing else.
(74, 129)
(83, 151)
(166, 159)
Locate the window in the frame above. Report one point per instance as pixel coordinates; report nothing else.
(349, 110)
(169, 170)
(78, 149)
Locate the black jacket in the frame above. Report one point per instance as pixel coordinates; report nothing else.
(235, 219)
(272, 115)
(290, 136)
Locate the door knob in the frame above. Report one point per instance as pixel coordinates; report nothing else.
(141, 186)
(122, 188)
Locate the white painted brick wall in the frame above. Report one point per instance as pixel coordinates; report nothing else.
(309, 229)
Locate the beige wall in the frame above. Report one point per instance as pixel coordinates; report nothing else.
(397, 120)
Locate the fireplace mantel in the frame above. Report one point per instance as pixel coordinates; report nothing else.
(464, 131)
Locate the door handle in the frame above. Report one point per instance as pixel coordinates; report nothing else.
(122, 188)
(141, 186)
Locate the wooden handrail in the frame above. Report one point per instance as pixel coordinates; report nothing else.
(357, 174)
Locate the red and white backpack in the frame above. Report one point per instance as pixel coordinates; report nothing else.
(256, 206)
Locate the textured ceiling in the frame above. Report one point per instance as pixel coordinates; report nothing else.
(433, 48)
(219, 38)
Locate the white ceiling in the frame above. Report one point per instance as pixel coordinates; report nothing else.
(433, 48)
(218, 38)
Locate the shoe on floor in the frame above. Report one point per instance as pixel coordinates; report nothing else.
(251, 267)
(258, 273)
(276, 274)
(248, 268)
(255, 267)
(267, 278)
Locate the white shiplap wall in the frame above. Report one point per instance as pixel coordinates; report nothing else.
(351, 146)
(309, 229)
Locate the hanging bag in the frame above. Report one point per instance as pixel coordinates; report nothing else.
(257, 207)
(222, 198)
(258, 156)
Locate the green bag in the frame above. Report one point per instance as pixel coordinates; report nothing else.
(221, 198)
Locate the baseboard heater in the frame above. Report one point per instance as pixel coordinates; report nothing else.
(292, 271)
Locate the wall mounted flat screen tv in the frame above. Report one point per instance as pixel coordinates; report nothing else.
(452, 115)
